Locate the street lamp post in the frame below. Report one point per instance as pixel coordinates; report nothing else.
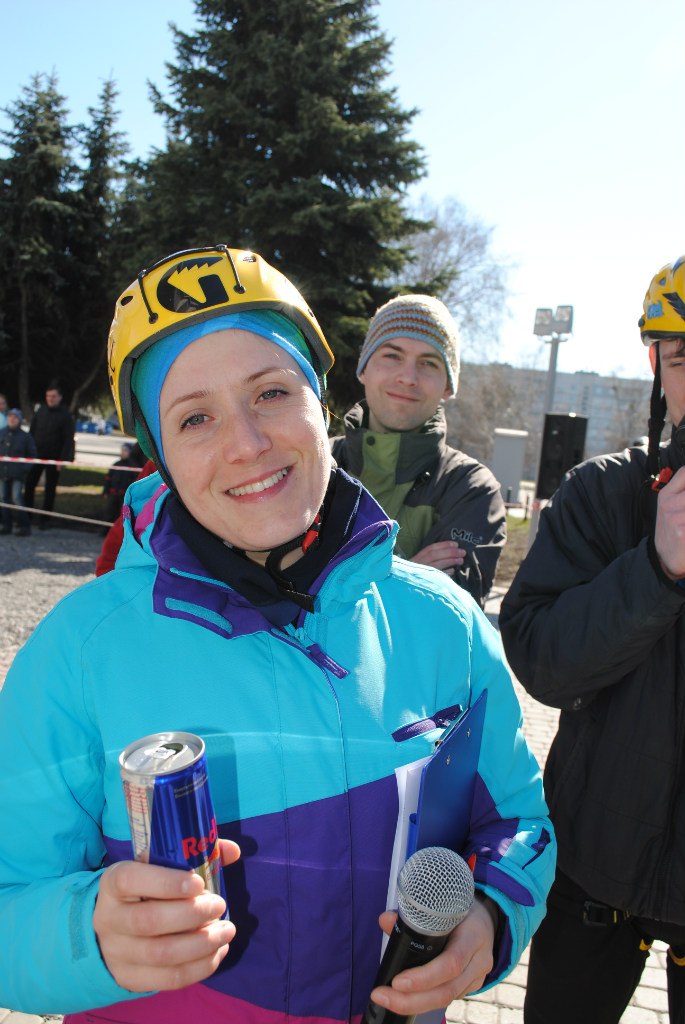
(553, 328)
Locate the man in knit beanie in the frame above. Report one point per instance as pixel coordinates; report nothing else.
(449, 507)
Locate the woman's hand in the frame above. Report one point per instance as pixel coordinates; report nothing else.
(158, 928)
(460, 968)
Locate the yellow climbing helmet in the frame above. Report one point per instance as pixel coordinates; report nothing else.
(192, 286)
(664, 305)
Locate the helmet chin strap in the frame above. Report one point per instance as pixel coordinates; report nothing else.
(273, 563)
(657, 418)
(679, 435)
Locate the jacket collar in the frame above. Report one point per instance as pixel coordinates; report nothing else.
(185, 588)
(418, 451)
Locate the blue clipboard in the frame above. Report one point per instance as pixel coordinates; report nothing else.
(448, 780)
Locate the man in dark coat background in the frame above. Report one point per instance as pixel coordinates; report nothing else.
(52, 428)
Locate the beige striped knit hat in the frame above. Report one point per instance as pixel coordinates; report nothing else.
(421, 317)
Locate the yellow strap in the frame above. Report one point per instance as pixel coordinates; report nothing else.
(679, 960)
(645, 946)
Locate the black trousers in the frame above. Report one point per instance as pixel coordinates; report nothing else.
(51, 476)
(580, 972)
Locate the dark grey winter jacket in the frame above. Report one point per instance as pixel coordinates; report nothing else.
(591, 625)
(433, 491)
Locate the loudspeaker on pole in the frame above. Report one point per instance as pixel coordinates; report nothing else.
(563, 446)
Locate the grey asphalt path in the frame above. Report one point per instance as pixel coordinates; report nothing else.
(74, 553)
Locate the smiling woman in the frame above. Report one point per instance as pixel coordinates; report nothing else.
(245, 441)
(262, 608)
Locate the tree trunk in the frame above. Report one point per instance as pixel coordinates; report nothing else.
(85, 384)
(23, 377)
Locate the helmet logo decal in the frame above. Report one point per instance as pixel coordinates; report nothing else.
(676, 303)
(188, 281)
(655, 310)
(190, 285)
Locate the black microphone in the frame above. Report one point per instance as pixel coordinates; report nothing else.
(434, 894)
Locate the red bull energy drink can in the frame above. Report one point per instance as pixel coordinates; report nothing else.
(170, 807)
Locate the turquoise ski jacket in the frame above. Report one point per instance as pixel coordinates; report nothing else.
(304, 727)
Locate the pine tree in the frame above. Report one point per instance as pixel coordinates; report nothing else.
(96, 248)
(60, 244)
(282, 136)
(36, 215)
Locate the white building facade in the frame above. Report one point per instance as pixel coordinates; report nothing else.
(513, 398)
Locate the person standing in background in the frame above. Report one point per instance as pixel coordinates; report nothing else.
(52, 428)
(3, 412)
(449, 507)
(114, 537)
(15, 443)
(118, 477)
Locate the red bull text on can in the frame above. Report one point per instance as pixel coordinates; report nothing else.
(170, 807)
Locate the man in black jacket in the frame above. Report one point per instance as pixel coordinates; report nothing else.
(52, 428)
(449, 507)
(593, 624)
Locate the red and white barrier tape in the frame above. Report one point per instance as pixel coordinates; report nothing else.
(63, 462)
(61, 515)
(45, 462)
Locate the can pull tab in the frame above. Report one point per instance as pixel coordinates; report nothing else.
(163, 751)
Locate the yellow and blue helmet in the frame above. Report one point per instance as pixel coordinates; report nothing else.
(663, 319)
(664, 304)
(190, 288)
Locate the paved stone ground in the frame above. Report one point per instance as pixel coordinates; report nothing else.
(41, 568)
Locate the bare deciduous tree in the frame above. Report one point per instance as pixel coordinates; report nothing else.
(630, 415)
(488, 397)
(454, 260)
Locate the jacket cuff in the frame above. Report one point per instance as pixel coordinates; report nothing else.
(678, 586)
(507, 947)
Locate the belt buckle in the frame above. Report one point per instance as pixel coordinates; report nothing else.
(598, 915)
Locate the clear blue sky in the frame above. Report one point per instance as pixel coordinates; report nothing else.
(557, 123)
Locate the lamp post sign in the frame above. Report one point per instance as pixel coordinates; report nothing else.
(549, 324)
(553, 328)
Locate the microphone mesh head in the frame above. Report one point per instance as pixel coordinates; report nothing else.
(435, 890)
